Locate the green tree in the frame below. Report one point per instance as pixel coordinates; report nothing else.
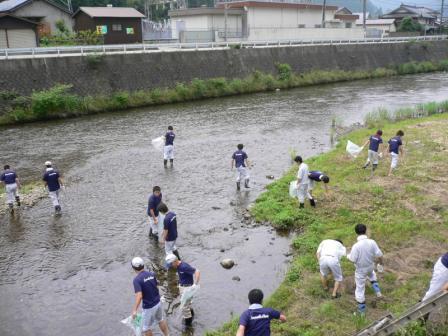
(409, 25)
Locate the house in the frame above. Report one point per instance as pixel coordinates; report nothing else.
(16, 32)
(344, 18)
(427, 17)
(118, 25)
(258, 20)
(378, 27)
(43, 12)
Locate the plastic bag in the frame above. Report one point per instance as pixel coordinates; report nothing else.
(293, 189)
(353, 149)
(134, 324)
(188, 294)
(158, 143)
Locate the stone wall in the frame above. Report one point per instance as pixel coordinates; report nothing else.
(110, 73)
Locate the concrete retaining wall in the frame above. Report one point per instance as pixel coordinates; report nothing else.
(111, 73)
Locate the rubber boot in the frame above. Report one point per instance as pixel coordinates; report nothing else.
(172, 162)
(313, 202)
(150, 233)
(189, 321)
(57, 209)
(302, 205)
(362, 308)
(366, 165)
(374, 166)
(246, 183)
(376, 288)
(176, 253)
(165, 163)
(11, 207)
(238, 186)
(18, 200)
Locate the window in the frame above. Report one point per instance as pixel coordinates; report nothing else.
(301, 26)
(317, 26)
(348, 25)
(116, 27)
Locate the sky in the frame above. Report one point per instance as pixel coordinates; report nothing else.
(392, 4)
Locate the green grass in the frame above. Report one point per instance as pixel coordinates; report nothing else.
(398, 212)
(58, 102)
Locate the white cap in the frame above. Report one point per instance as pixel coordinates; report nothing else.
(48, 163)
(169, 259)
(137, 262)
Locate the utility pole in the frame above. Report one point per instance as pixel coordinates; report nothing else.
(441, 16)
(323, 14)
(364, 11)
(225, 21)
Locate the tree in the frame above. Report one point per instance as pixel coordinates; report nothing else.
(409, 25)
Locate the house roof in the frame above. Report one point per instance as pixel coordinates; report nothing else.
(344, 10)
(269, 4)
(378, 22)
(415, 11)
(117, 12)
(203, 11)
(2, 15)
(9, 6)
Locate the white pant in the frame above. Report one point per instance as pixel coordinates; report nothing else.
(394, 160)
(361, 276)
(302, 192)
(186, 309)
(157, 229)
(54, 196)
(168, 152)
(170, 246)
(329, 264)
(242, 174)
(438, 280)
(372, 157)
(11, 193)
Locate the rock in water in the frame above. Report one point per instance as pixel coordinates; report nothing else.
(236, 278)
(227, 263)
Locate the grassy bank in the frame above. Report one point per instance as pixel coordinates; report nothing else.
(59, 102)
(407, 215)
(29, 192)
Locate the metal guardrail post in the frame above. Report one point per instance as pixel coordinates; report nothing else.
(82, 51)
(6, 53)
(59, 52)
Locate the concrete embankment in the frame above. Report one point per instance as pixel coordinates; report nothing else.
(105, 74)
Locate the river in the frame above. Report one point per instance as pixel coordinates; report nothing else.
(71, 275)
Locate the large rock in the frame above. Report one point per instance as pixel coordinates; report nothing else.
(227, 263)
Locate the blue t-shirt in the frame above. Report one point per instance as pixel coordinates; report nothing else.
(52, 178)
(257, 320)
(8, 176)
(146, 283)
(445, 260)
(185, 273)
(375, 141)
(394, 144)
(170, 224)
(239, 156)
(153, 203)
(315, 175)
(169, 138)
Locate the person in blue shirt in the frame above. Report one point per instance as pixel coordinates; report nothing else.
(169, 235)
(168, 150)
(316, 176)
(241, 162)
(12, 184)
(188, 277)
(146, 291)
(256, 321)
(375, 146)
(153, 213)
(53, 182)
(395, 149)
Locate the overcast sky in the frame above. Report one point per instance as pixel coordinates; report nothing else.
(392, 4)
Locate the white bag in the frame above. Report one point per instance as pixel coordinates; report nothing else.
(134, 324)
(353, 149)
(188, 294)
(293, 189)
(158, 143)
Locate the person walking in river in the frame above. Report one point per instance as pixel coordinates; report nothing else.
(153, 212)
(375, 145)
(439, 280)
(364, 254)
(169, 235)
(395, 149)
(53, 182)
(168, 150)
(241, 163)
(302, 181)
(316, 176)
(12, 184)
(188, 277)
(256, 321)
(329, 254)
(146, 291)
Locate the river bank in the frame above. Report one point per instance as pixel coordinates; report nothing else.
(406, 214)
(59, 102)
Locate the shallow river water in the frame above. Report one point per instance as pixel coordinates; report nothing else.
(72, 276)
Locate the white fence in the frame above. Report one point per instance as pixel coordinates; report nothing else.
(145, 48)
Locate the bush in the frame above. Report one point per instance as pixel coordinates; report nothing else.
(53, 101)
(120, 100)
(284, 71)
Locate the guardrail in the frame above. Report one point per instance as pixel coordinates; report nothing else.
(142, 48)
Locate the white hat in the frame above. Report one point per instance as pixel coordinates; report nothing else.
(137, 262)
(48, 163)
(169, 259)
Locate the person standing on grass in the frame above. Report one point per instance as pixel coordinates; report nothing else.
(375, 145)
(395, 149)
(168, 150)
(316, 176)
(241, 162)
(329, 254)
(364, 254)
(53, 182)
(146, 291)
(439, 280)
(153, 212)
(302, 182)
(169, 235)
(256, 321)
(12, 184)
